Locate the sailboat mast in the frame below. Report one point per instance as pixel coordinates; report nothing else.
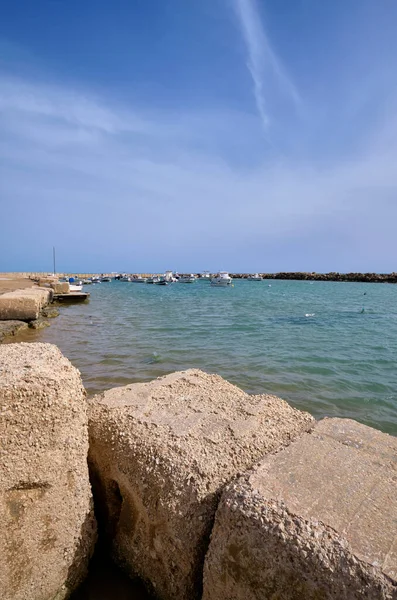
(53, 256)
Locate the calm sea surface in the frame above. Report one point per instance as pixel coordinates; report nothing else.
(309, 343)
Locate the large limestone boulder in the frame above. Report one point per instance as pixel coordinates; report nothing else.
(160, 455)
(47, 526)
(25, 304)
(317, 521)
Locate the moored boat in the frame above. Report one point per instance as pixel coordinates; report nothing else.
(221, 279)
(138, 279)
(255, 277)
(187, 278)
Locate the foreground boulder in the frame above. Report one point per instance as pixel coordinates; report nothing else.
(317, 521)
(24, 304)
(47, 526)
(160, 455)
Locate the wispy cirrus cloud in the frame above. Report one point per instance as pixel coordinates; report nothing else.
(263, 64)
(66, 157)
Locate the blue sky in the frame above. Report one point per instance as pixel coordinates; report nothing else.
(144, 135)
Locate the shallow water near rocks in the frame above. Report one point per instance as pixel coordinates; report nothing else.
(329, 348)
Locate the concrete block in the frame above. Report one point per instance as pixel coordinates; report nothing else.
(61, 288)
(24, 304)
(47, 525)
(317, 521)
(160, 455)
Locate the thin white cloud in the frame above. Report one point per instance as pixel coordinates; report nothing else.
(69, 169)
(263, 63)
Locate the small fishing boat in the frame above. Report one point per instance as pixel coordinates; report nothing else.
(138, 279)
(124, 278)
(187, 278)
(161, 281)
(221, 279)
(105, 279)
(255, 277)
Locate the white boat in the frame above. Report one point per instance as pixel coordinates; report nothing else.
(125, 278)
(169, 277)
(255, 277)
(75, 288)
(138, 279)
(221, 279)
(187, 278)
(205, 275)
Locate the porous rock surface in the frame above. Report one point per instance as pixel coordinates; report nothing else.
(47, 526)
(315, 522)
(160, 454)
(24, 304)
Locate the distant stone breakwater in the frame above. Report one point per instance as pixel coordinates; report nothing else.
(286, 275)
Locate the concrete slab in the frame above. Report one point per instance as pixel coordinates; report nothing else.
(316, 521)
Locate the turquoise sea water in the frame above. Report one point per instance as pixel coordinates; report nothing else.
(309, 343)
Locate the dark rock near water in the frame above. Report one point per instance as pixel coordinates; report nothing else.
(39, 323)
(10, 328)
(50, 312)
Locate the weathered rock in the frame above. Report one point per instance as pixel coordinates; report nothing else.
(50, 312)
(39, 323)
(317, 521)
(10, 328)
(160, 455)
(24, 304)
(47, 526)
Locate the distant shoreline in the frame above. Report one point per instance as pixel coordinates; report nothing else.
(292, 276)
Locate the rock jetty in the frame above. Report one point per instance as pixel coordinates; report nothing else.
(200, 489)
(333, 276)
(315, 521)
(160, 455)
(47, 524)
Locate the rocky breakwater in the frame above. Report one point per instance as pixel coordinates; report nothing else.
(332, 276)
(317, 521)
(160, 455)
(47, 525)
(28, 306)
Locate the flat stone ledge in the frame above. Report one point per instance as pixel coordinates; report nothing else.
(315, 521)
(160, 455)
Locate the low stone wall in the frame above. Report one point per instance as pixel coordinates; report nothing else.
(47, 525)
